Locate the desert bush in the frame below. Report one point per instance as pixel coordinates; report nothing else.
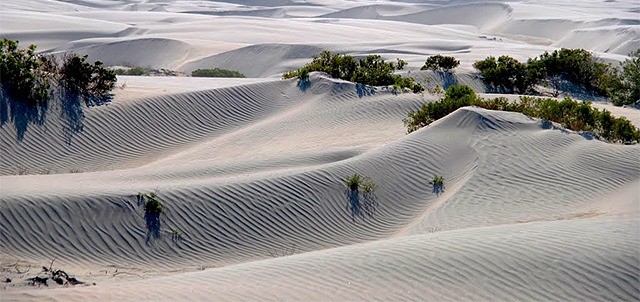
(508, 74)
(29, 82)
(455, 96)
(21, 75)
(133, 71)
(151, 204)
(571, 114)
(437, 183)
(361, 204)
(441, 63)
(626, 89)
(354, 182)
(580, 116)
(153, 208)
(91, 83)
(368, 185)
(577, 66)
(217, 73)
(371, 70)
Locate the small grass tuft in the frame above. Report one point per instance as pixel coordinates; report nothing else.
(369, 186)
(355, 181)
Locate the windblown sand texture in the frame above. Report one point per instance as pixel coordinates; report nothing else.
(251, 171)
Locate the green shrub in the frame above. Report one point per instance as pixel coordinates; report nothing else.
(216, 73)
(437, 183)
(437, 180)
(574, 115)
(577, 66)
(371, 70)
(509, 74)
(133, 71)
(626, 87)
(368, 186)
(363, 202)
(89, 82)
(354, 182)
(151, 204)
(439, 62)
(22, 77)
(29, 82)
(456, 96)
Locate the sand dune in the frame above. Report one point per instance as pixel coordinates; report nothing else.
(120, 33)
(236, 207)
(495, 263)
(251, 171)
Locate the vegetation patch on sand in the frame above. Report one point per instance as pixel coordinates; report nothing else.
(577, 66)
(30, 83)
(574, 115)
(216, 73)
(371, 70)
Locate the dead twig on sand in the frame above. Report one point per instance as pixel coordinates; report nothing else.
(58, 276)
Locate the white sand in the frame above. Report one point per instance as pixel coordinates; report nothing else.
(251, 170)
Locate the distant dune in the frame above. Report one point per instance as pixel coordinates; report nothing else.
(251, 171)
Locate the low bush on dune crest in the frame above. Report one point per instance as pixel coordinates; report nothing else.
(577, 116)
(371, 70)
(216, 73)
(455, 96)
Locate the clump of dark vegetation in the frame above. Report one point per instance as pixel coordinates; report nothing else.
(31, 82)
(217, 73)
(626, 91)
(60, 277)
(371, 70)
(133, 71)
(576, 66)
(153, 208)
(437, 183)
(455, 96)
(507, 74)
(577, 116)
(151, 204)
(368, 203)
(440, 63)
(354, 182)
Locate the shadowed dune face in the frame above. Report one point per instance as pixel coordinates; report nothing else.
(250, 173)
